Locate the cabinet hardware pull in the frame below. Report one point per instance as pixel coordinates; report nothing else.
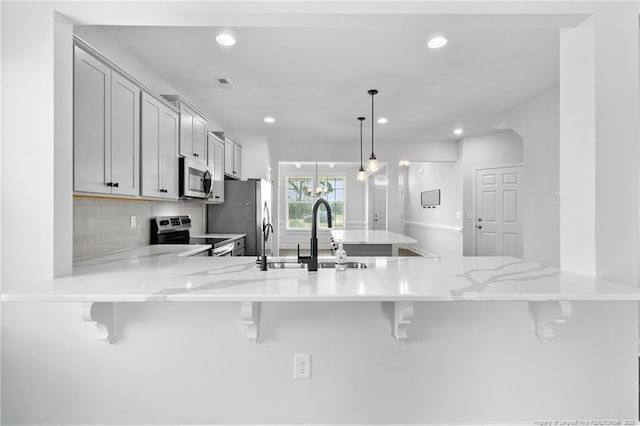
(109, 184)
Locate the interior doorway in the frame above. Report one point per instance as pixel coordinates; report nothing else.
(377, 194)
(497, 211)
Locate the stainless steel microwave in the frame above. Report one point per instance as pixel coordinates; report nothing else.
(195, 179)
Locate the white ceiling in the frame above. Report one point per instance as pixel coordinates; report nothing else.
(314, 80)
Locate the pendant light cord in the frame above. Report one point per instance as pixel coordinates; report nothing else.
(372, 121)
(361, 119)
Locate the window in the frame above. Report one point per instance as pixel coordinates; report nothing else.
(301, 197)
(299, 202)
(333, 192)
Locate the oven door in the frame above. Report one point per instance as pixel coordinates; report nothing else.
(195, 179)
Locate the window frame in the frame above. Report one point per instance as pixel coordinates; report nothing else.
(314, 184)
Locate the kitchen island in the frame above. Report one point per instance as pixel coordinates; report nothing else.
(467, 325)
(370, 242)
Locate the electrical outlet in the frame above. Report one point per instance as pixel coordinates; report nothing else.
(301, 366)
(133, 222)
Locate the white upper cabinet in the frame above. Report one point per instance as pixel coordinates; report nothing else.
(232, 158)
(216, 164)
(193, 130)
(160, 127)
(200, 138)
(237, 161)
(186, 132)
(228, 157)
(125, 136)
(106, 129)
(91, 132)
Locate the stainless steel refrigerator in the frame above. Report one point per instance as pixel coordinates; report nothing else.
(246, 209)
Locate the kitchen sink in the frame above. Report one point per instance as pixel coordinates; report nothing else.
(321, 265)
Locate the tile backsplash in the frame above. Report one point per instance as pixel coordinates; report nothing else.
(103, 226)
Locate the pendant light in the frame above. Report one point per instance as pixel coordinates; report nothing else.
(362, 175)
(373, 161)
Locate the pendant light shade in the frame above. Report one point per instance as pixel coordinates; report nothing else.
(373, 161)
(362, 175)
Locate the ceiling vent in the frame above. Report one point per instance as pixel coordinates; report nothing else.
(224, 83)
(500, 126)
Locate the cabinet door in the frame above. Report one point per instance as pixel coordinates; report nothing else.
(125, 136)
(237, 161)
(170, 128)
(186, 131)
(200, 138)
(151, 122)
(91, 132)
(216, 154)
(228, 157)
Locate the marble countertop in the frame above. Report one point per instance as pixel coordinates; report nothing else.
(370, 236)
(163, 275)
(139, 254)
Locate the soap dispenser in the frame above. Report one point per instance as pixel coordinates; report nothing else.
(341, 257)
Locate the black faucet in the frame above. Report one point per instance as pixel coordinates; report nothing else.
(266, 228)
(312, 261)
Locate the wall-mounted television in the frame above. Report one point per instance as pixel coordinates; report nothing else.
(429, 199)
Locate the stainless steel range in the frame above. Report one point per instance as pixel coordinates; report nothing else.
(175, 230)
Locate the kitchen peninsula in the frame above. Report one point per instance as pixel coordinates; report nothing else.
(370, 242)
(419, 301)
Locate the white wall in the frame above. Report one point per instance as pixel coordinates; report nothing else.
(102, 226)
(387, 152)
(438, 230)
(537, 122)
(189, 363)
(503, 147)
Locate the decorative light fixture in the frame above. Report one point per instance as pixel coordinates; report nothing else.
(458, 131)
(225, 39)
(319, 188)
(404, 163)
(383, 120)
(362, 175)
(269, 119)
(373, 161)
(437, 42)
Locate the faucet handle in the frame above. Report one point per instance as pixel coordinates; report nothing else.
(298, 251)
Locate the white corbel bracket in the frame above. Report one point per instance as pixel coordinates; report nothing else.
(100, 314)
(250, 313)
(548, 316)
(402, 319)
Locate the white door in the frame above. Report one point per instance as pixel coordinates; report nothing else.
(125, 136)
(380, 207)
(91, 132)
(498, 212)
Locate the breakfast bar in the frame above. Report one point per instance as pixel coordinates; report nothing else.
(370, 242)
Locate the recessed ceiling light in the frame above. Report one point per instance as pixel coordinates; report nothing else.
(269, 119)
(437, 42)
(458, 132)
(382, 120)
(225, 39)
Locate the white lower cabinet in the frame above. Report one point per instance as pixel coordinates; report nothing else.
(215, 161)
(106, 139)
(160, 133)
